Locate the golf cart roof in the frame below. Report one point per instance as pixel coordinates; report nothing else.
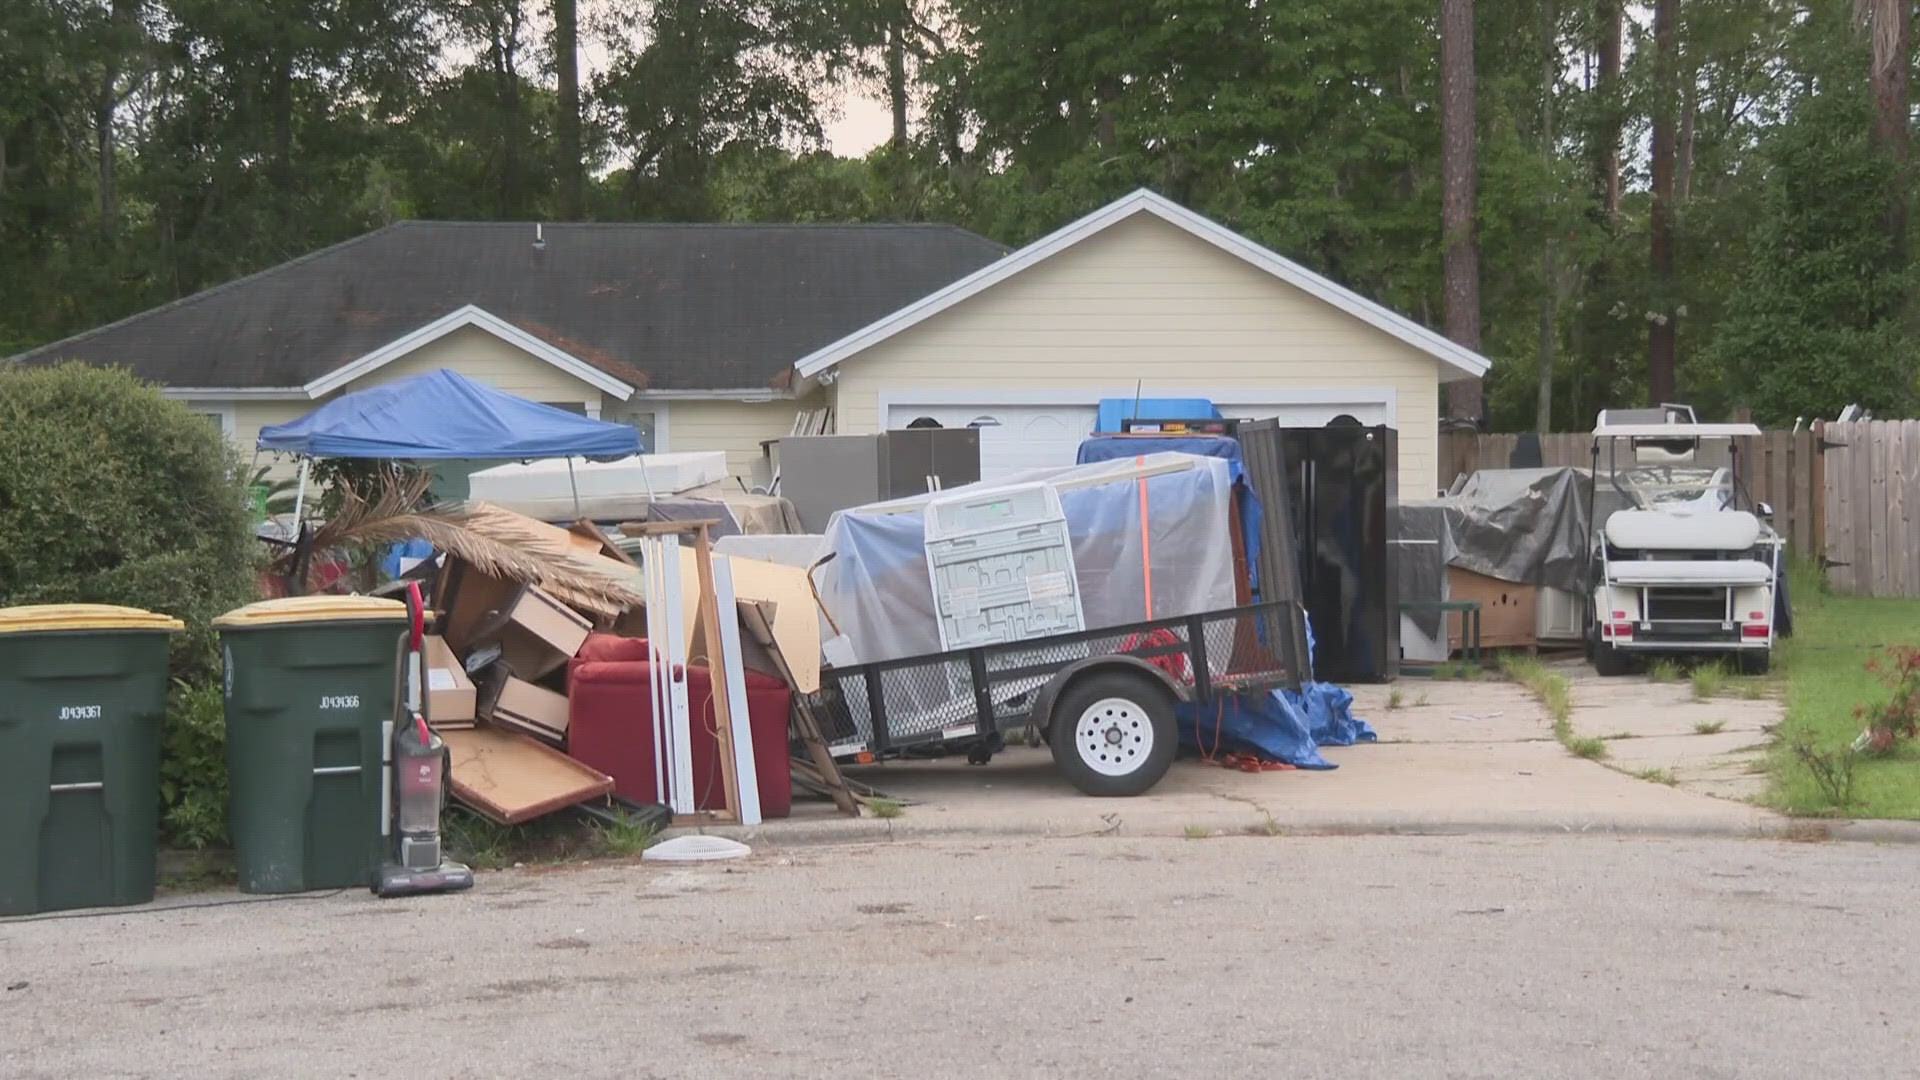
(1674, 431)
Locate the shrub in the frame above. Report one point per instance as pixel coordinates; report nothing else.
(193, 767)
(112, 494)
(1897, 719)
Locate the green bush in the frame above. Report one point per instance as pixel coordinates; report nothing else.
(112, 494)
(193, 767)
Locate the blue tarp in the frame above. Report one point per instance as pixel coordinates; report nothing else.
(1115, 410)
(1282, 725)
(1104, 448)
(443, 414)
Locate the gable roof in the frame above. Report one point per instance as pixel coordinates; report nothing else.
(1458, 361)
(640, 306)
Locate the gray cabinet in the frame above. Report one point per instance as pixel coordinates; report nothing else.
(821, 474)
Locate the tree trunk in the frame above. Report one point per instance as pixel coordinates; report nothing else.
(1892, 22)
(1663, 328)
(1549, 272)
(1460, 247)
(897, 78)
(566, 64)
(1610, 17)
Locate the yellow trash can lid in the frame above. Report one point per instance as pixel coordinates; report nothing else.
(45, 618)
(313, 609)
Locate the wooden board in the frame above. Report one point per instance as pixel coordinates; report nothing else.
(796, 619)
(510, 778)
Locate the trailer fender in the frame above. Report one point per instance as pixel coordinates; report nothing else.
(1048, 694)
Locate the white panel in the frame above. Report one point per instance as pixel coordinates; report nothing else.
(1013, 438)
(1315, 415)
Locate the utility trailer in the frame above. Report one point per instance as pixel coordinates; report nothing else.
(1690, 563)
(1104, 699)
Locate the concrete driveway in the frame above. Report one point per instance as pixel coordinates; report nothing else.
(1454, 756)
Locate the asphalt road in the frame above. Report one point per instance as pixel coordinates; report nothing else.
(1226, 957)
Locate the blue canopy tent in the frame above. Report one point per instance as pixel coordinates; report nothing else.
(442, 415)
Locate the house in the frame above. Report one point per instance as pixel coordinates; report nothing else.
(715, 336)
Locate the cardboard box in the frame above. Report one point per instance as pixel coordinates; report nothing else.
(537, 634)
(452, 700)
(1508, 610)
(534, 710)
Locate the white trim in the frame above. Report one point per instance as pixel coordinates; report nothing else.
(745, 395)
(1386, 397)
(593, 410)
(469, 315)
(235, 393)
(1463, 361)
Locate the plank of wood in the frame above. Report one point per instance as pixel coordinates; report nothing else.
(1895, 570)
(510, 778)
(1881, 582)
(605, 545)
(758, 622)
(722, 705)
(1817, 487)
(1909, 538)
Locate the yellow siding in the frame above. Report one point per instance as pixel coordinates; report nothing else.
(484, 358)
(250, 416)
(734, 426)
(1146, 301)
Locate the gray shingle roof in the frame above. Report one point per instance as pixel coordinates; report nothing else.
(664, 307)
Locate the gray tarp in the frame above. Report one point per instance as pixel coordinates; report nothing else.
(1524, 525)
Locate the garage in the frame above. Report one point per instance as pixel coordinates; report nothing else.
(1140, 298)
(1030, 435)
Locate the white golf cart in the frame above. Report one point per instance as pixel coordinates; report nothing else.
(1687, 563)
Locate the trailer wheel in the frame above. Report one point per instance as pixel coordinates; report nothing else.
(1114, 733)
(1756, 662)
(1609, 661)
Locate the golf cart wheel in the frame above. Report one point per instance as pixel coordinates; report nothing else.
(1609, 661)
(1114, 733)
(1756, 662)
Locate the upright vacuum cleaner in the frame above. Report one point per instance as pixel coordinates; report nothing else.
(417, 766)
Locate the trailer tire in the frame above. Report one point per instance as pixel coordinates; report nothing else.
(1756, 662)
(1609, 661)
(1114, 733)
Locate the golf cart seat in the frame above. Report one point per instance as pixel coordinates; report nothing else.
(1680, 529)
(1690, 572)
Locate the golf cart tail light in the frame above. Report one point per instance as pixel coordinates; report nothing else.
(1619, 614)
(1757, 616)
(1623, 630)
(1753, 630)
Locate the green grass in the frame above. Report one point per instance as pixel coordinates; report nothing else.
(1709, 727)
(1825, 669)
(1459, 670)
(1585, 746)
(1708, 681)
(885, 808)
(1197, 832)
(1395, 698)
(627, 835)
(1658, 776)
(1663, 670)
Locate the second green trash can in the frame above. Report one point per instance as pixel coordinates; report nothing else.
(83, 690)
(310, 684)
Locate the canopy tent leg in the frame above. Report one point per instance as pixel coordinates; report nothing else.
(300, 494)
(575, 485)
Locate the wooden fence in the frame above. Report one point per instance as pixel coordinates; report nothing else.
(1873, 507)
(1781, 468)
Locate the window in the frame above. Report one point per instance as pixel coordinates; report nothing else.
(577, 408)
(220, 416)
(643, 421)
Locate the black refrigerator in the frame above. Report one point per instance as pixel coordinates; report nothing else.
(1341, 492)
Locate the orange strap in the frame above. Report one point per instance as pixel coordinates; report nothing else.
(1146, 537)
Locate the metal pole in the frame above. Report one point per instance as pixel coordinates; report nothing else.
(300, 496)
(575, 485)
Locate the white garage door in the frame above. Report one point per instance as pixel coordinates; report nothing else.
(1012, 437)
(1368, 413)
(1016, 437)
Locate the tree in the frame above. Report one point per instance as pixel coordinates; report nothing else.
(110, 493)
(1890, 23)
(566, 68)
(1460, 245)
(1609, 17)
(1663, 315)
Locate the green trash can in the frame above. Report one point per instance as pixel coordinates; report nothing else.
(83, 691)
(310, 687)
